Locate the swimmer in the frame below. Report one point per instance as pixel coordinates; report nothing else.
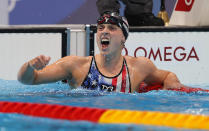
(107, 71)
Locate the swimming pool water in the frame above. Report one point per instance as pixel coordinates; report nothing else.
(59, 93)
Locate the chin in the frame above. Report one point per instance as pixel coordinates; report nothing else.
(104, 52)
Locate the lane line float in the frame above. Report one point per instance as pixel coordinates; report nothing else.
(107, 116)
(145, 88)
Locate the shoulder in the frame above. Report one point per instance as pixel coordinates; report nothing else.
(140, 64)
(71, 61)
(74, 59)
(142, 61)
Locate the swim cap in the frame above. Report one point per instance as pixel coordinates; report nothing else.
(115, 19)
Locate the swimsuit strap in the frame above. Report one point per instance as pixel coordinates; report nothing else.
(95, 80)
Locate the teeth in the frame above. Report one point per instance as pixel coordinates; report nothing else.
(105, 41)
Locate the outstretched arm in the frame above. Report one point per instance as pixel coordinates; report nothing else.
(35, 71)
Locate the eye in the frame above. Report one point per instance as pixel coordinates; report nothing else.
(100, 27)
(112, 27)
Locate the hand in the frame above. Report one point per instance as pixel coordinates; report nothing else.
(173, 85)
(39, 62)
(172, 82)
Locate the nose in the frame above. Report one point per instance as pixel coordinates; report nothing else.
(105, 31)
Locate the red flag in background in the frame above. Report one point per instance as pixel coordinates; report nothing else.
(190, 13)
(184, 5)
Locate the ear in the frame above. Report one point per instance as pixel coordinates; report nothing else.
(123, 43)
(123, 39)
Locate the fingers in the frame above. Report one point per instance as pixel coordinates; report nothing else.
(39, 62)
(44, 59)
(172, 86)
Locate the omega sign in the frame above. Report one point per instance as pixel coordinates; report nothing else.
(167, 53)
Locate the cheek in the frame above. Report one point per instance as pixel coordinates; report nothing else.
(118, 38)
(98, 38)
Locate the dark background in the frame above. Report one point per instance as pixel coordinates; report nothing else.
(64, 11)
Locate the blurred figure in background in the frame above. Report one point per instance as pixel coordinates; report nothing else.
(137, 12)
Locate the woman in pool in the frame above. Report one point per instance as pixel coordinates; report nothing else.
(106, 71)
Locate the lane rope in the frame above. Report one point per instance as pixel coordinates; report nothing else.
(145, 88)
(107, 116)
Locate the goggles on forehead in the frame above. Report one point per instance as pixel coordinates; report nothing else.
(115, 20)
(108, 20)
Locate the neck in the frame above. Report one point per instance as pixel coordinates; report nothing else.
(110, 62)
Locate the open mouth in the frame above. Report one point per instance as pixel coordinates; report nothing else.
(105, 42)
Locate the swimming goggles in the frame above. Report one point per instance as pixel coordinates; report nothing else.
(108, 20)
(115, 20)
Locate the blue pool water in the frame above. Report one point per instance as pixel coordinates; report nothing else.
(59, 93)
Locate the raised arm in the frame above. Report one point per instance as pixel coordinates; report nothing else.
(35, 71)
